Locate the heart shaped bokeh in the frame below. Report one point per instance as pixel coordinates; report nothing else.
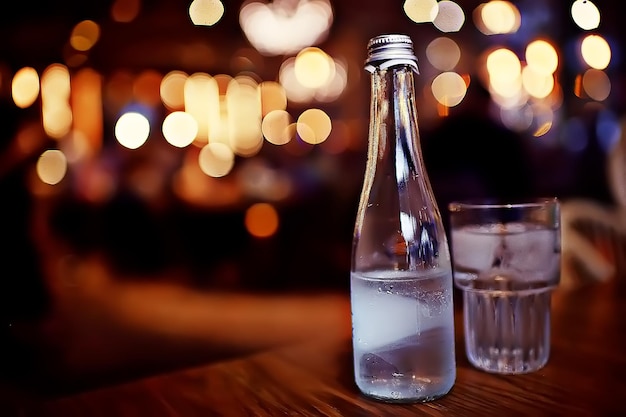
(284, 27)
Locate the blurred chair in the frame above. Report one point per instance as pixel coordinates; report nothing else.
(594, 234)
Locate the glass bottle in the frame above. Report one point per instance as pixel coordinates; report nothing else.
(401, 275)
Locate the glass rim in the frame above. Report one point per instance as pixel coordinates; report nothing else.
(495, 203)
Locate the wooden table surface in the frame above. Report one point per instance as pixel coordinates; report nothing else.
(307, 370)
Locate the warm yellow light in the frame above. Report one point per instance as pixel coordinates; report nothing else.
(443, 53)
(206, 12)
(314, 126)
(25, 87)
(57, 120)
(500, 17)
(87, 112)
(542, 57)
(450, 17)
(335, 86)
(55, 101)
(537, 84)
(132, 130)
(51, 166)
(261, 220)
(596, 52)
(273, 97)
(275, 127)
(585, 14)
(202, 100)
(295, 91)
(216, 159)
(449, 89)
(243, 107)
(284, 27)
(504, 71)
(172, 90)
(85, 35)
(55, 82)
(313, 67)
(179, 129)
(503, 64)
(421, 11)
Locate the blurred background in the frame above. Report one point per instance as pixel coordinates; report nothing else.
(223, 144)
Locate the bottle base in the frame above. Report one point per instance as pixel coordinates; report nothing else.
(412, 391)
(404, 400)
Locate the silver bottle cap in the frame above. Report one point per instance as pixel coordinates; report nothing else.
(384, 51)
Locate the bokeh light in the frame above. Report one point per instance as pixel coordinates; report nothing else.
(421, 11)
(596, 84)
(443, 53)
(243, 109)
(125, 11)
(216, 159)
(542, 57)
(261, 220)
(335, 86)
(245, 112)
(56, 112)
(206, 12)
(172, 90)
(202, 100)
(51, 166)
(273, 97)
(284, 27)
(132, 130)
(313, 67)
(294, 90)
(585, 14)
(450, 17)
(497, 17)
(87, 113)
(85, 35)
(314, 126)
(275, 127)
(505, 72)
(179, 129)
(449, 88)
(596, 51)
(538, 85)
(25, 87)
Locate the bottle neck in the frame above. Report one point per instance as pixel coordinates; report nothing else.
(398, 225)
(393, 132)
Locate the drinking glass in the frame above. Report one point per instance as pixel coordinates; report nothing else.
(506, 260)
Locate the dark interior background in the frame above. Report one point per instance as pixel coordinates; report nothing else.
(467, 153)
